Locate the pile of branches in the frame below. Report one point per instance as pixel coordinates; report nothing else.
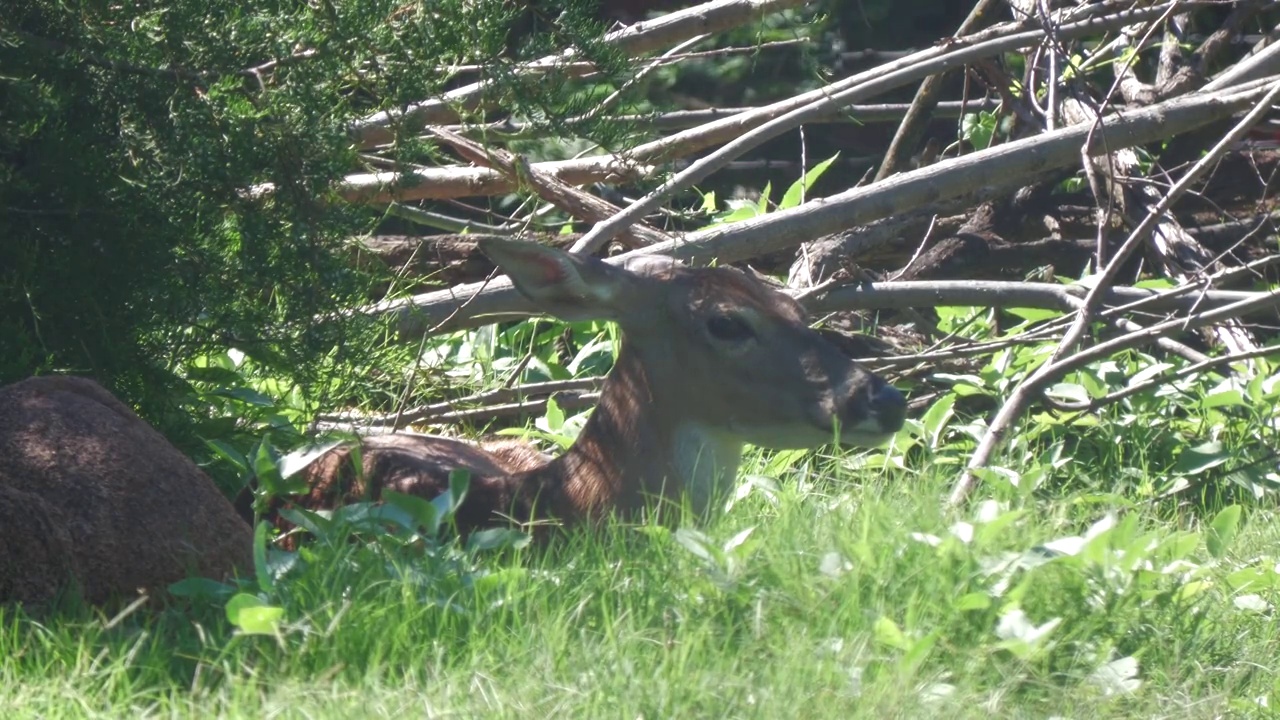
(971, 224)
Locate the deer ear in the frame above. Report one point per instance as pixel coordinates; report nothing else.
(571, 287)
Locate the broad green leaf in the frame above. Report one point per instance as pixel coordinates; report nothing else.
(260, 569)
(554, 415)
(502, 579)
(495, 538)
(888, 633)
(202, 588)
(260, 620)
(1222, 531)
(973, 601)
(245, 395)
(1196, 460)
(1222, 398)
(295, 461)
(1034, 314)
(695, 542)
(312, 522)
(266, 467)
(734, 542)
(936, 417)
(424, 514)
(252, 616)
(1073, 392)
(228, 453)
(459, 482)
(799, 188)
(918, 651)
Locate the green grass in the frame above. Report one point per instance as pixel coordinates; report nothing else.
(849, 598)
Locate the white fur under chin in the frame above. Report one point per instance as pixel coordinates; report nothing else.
(707, 462)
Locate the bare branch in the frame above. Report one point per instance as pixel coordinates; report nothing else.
(520, 395)
(917, 66)
(769, 121)
(670, 29)
(1166, 379)
(984, 174)
(908, 134)
(1021, 397)
(578, 203)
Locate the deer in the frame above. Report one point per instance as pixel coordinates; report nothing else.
(96, 503)
(711, 359)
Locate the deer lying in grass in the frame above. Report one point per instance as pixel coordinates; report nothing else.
(710, 359)
(92, 496)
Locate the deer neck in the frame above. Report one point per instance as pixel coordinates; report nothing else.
(639, 444)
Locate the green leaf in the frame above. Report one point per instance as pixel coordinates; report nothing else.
(799, 188)
(1222, 531)
(1034, 314)
(918, 651)
(202, 589)
(1196, 460)
(213, 374)
(299, 459)
(695, 542)
(245, 395)
(936, 417)
(1222, 399)
(497, 538)
(978, 129)
(253, 616)
(228, 453)
(425, 514)
(555, 416)
(312, 522)
(737, 540)
(260, 555)
(502, 579)
(1072, 392)
(1253, 579)
(266, 467)
(888, 633)
(973, 601)
(459, 482)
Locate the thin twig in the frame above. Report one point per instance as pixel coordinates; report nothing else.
(1206, 364)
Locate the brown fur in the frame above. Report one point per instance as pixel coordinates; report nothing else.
(92, 495)
(673, 385)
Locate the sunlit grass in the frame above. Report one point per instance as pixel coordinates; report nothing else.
(846, 598)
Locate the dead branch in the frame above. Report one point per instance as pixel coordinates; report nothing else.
(520, 395)
(577, 203)
(1054, 370)
(984, 174)
(1161, 380)
(739, 130)
(685, 119)
(1022, 395)
(909, 132)
(1002, 38)
(1001, 294)
(568, 400)
(708, 18)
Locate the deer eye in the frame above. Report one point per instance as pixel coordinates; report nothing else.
(730, 328)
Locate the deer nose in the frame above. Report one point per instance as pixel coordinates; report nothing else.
(888, 406)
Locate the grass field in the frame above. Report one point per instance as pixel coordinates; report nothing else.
(829, 594)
